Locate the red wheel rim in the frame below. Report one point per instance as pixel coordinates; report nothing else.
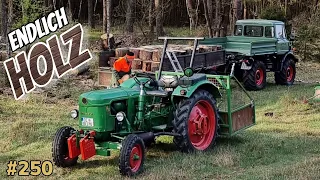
(259, 76)
(135, 158)
(289, 73)
(202, 125)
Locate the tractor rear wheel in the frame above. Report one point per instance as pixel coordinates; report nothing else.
(196, 120)
(255, 78)
(287, 74)
(60, 151)
(132, 155)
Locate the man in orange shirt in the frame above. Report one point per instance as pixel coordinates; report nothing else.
(122, 67)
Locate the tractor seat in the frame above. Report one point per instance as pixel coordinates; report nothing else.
(188, 81)
(157, 93)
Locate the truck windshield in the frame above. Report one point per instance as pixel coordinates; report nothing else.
(238, 30)
(253, 31)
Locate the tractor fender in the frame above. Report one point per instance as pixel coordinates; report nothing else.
(289, 54)
(206, 85)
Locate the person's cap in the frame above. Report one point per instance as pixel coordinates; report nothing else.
(130, 55)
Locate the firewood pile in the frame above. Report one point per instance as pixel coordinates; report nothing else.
(147, 58)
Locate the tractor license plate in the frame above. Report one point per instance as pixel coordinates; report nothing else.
(245, 66)
(87, 121)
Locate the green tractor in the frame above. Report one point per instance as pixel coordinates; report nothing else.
(195, 108)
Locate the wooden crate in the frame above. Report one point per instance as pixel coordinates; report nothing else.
(146, 65)
(136, 64)
(120, 52)
(105, 78)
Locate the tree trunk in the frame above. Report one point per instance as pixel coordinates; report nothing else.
(90, 14)
(79, 10)
(104, 16)
(208, 21)
(210, 15)
(4, 19)
(159, 17)
(129, 16)
(218, 18)
(109, 18)
(225, 20)
(244, 9)
(151, 17)
(192, 14)
(70, 9)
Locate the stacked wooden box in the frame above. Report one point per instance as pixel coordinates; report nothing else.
(147, 59)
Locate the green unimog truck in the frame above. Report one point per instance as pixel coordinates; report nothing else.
(258, 46)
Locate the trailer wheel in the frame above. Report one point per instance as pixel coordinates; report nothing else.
(287, 74)
(196, 120)
(255, 78)
(132, 155)
(60, 151)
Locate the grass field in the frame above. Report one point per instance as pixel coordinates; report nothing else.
(284, 146)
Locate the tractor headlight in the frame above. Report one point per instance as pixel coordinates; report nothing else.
(120, 116)
(74, 113)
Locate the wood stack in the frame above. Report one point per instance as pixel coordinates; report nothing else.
(147, 59)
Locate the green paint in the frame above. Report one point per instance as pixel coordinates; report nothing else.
(250, 45)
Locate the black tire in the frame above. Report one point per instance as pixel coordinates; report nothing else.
(255, 78)
(60, 148)
(128, 144)
(287, 74)
(181, 121)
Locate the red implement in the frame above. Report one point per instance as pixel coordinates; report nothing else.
(87, 147)
(74, 151)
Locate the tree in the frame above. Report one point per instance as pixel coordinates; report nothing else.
(207, 16)
(90, 14)
(129, 16)
(106, 16)
(192, 9)
(151, 17)
(4, 18)
(159, 17)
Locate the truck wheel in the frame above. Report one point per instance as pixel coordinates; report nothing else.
(60, 151)
(196, 120)
(255, 78)
(287, 74)
(132, 155)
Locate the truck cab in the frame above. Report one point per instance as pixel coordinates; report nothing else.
(264, 29)
(256, 47)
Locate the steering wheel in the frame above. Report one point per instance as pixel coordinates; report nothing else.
(143, 83)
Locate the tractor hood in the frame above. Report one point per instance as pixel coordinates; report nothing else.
(105, 96)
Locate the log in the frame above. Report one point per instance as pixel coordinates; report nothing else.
(120, 52)
(146, 66)
(136, 64)
(155, 66)
(146, 55)
(156, 55)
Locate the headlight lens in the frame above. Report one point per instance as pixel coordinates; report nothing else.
(74, 113)
(120, 116)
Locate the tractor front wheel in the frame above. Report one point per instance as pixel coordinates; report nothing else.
(196, 120)
(255, 78)
(60, 151)
(132, 155)
(287, 74)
